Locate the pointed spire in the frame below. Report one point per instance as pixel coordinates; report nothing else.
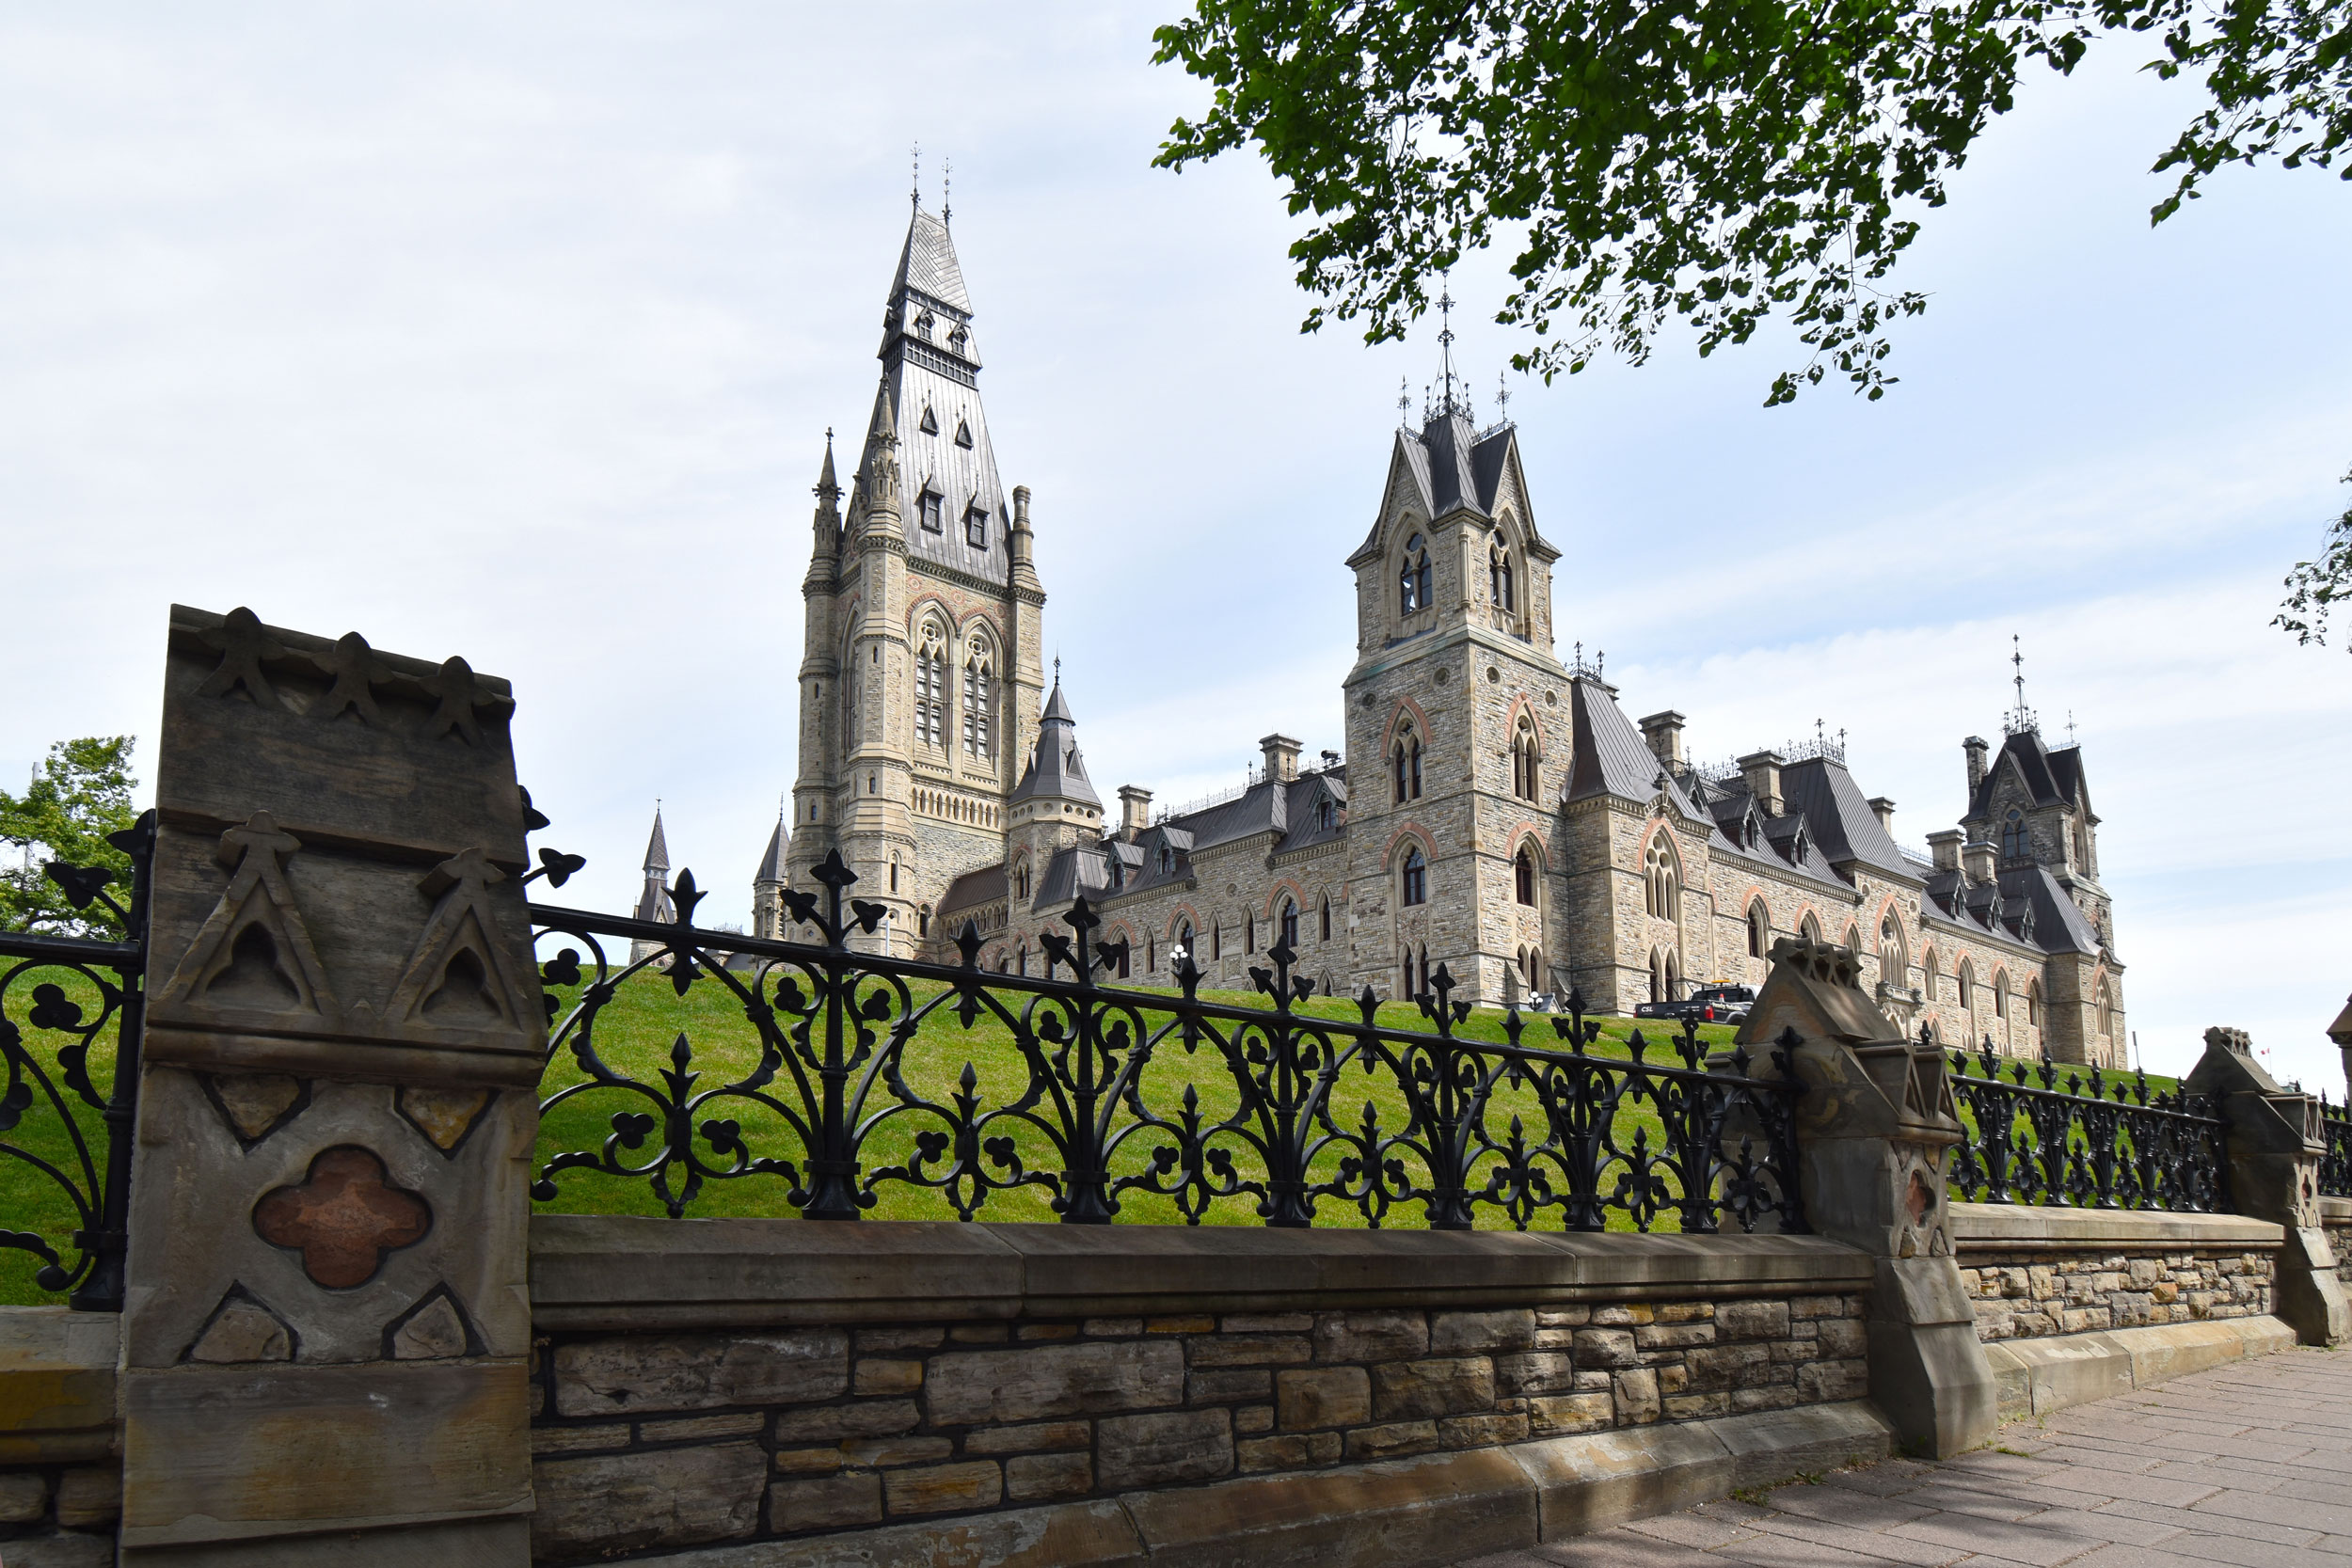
(771, 867)
(1056, 770)
(658, 846)
(828, 487)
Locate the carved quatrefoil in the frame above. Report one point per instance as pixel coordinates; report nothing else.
(343, 1218)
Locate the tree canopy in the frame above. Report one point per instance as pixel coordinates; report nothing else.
(80, 795)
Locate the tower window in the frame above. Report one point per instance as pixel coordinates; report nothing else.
(2016, 844)
(1661, 881)
(1523, 874)
(928, 508)
(1412, 583)
(1524, 760)
(980, 695)
(1327, 919)
(975, 527)
(1416, 877)
(1406, 761)
(931, 693)
(1498, 579)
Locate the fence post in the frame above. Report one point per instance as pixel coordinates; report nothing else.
(1875, 1128)
(2276, 1144)
(328, 1327)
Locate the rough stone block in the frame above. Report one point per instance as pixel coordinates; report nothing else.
(1370, 1336)
(1820, 1381)
(887, 1377)
(1752, 1319)
(1637, 1396)
(698, 1429)
(1153, 1450)
(887, 1453)
(1839, 1338)
(1224, 1387)
(879, 1341)
(1031, 1333)
(634, 1374)
(1113, 1328)
(1475, 1432)
(971, 1388)
(1447, 1386)
(629, 1502)
(1390, 1441)
(833, 1502)
(1724, 1365)
(1689, 1312)
(1268, 1322)
(1184, 1324)
(1623, 1315)
(1039, 1438)
(1469, 1333)
(876, 1419)
(1323, 1397)
(1535, 1372)
(61, 1549)
(1605, 1347)
(1033, 1477)
(1250, 1350)
(24, 1495)
(1672, 1336)
(944, 1488)
(809, 1462)
(1290, 1451)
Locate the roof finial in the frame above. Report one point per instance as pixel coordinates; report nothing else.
(2020, 717)
(1404, 402)
(1503, 399)
(1445, 345)
(948, 193)
(1058, 669)
(2070, 726)
(914, 196)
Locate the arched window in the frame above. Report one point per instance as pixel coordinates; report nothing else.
(1326, 917)
(1673, 977)
(979, 701)
(1968, 986)
(2014, 844)
(1021, 883)
(1405, 764)
(1759, 929)
(1416, 877)
(1024, 959)
(1932, 977)
(1217, 940)
(1524, 759)
(1661, 881)
(1894, 967)
(2106, 1009)
(1150, 951)
(1290, 923)
(1537, 969)
(1126, 949)
(1523, 874)
(1183, 944)
(2000, 993)
(931, 689)
(1424, 968)
(1499, 583)
(2033, 1003)
(1249, 931)
(1413, 582)
(1809, 929)
(1657, 974)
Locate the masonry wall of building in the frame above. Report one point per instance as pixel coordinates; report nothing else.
(2030, 1295)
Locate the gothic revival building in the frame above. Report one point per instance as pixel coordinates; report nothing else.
(1500, 813)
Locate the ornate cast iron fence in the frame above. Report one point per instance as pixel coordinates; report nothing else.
(2335, 1166)
(2095, 1143)
(1528, 1131)
(44, 1108)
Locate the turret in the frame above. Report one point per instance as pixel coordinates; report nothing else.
(1054, 806)
(654, 902)
(768, 884)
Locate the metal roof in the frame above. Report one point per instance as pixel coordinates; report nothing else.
(1820, 790)
(658, 846)
(1611, 756)
(1056, 770)
(771, 863)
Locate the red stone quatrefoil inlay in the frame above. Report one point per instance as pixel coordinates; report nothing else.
(343, 1218)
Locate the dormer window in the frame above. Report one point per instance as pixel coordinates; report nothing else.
(975, 527)
(963, 434)
(928, 425)
(1167, 860)
(924, 323)
(1412, 583)
(928, 507)
(1323, 816)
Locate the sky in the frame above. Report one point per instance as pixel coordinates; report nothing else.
(514, 331)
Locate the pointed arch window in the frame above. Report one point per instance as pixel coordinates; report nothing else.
(1811, 928)
(930, 690)
(1217, 940)
(1661, 881)
(2014, 841)
(2106, 1009)
(1416, 877)
(2000, 994)
(1500, 582)
(1968, 986)
(1523, 874)
(1290, 923)
(1413, 582)
(1183, 943)
(1249, 931)
(2033, 1003)
(1894, 964)
(1759, 929)
(1405, 764)
(1525, 756)
(1327, 918)
(979, 699)
(1021, 882)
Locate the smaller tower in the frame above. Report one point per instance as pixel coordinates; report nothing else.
(768, 884)
(1054, 807)
(654, 903)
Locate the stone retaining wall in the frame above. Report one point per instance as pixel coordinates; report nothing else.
(60, 1467)
(2037, 1272)
(897, 1380)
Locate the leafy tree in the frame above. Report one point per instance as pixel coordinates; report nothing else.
(2314, 586)
(1711, 161)
(81, 794)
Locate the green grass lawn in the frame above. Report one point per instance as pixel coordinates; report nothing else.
(30, 1200)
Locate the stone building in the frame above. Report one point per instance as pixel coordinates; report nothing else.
(1501, 814)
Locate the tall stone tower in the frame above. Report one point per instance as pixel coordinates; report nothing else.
(1458, 720)
(921, 677)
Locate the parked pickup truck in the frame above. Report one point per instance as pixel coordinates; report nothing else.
(1706, 1005)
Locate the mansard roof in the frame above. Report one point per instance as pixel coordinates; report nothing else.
(1824, 794)
(1611, 756)
(2050, 778)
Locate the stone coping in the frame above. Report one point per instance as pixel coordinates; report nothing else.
(612, 1270)
(1416, 1512)
(2038, 1376)
(2335, 1211)
(57, 1393)
(2032, 1228)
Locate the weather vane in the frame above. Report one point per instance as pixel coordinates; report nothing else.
(947, 191)
(915, 193)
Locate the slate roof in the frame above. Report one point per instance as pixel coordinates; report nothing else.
(771, 863)
(2052, 778)
(973, 889)
(658, 846)
(1056, 770)
(1451, 464)
(1820, 790)
(1611, 758)
(934, 370)
(1284, 809)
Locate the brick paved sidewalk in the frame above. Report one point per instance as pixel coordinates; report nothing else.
(2249, 1464)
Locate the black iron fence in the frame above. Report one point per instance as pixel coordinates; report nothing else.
(841, 1086)
(2091, 1141)
(2335, 1166)
(61, 999)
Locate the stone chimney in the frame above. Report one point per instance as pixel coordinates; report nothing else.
(1978, 857)
(1885, 809)
(1281, 758)
(1975, 749)
(1762, 772)
(1663, 731)
(1944, 846)
(1135, 810)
